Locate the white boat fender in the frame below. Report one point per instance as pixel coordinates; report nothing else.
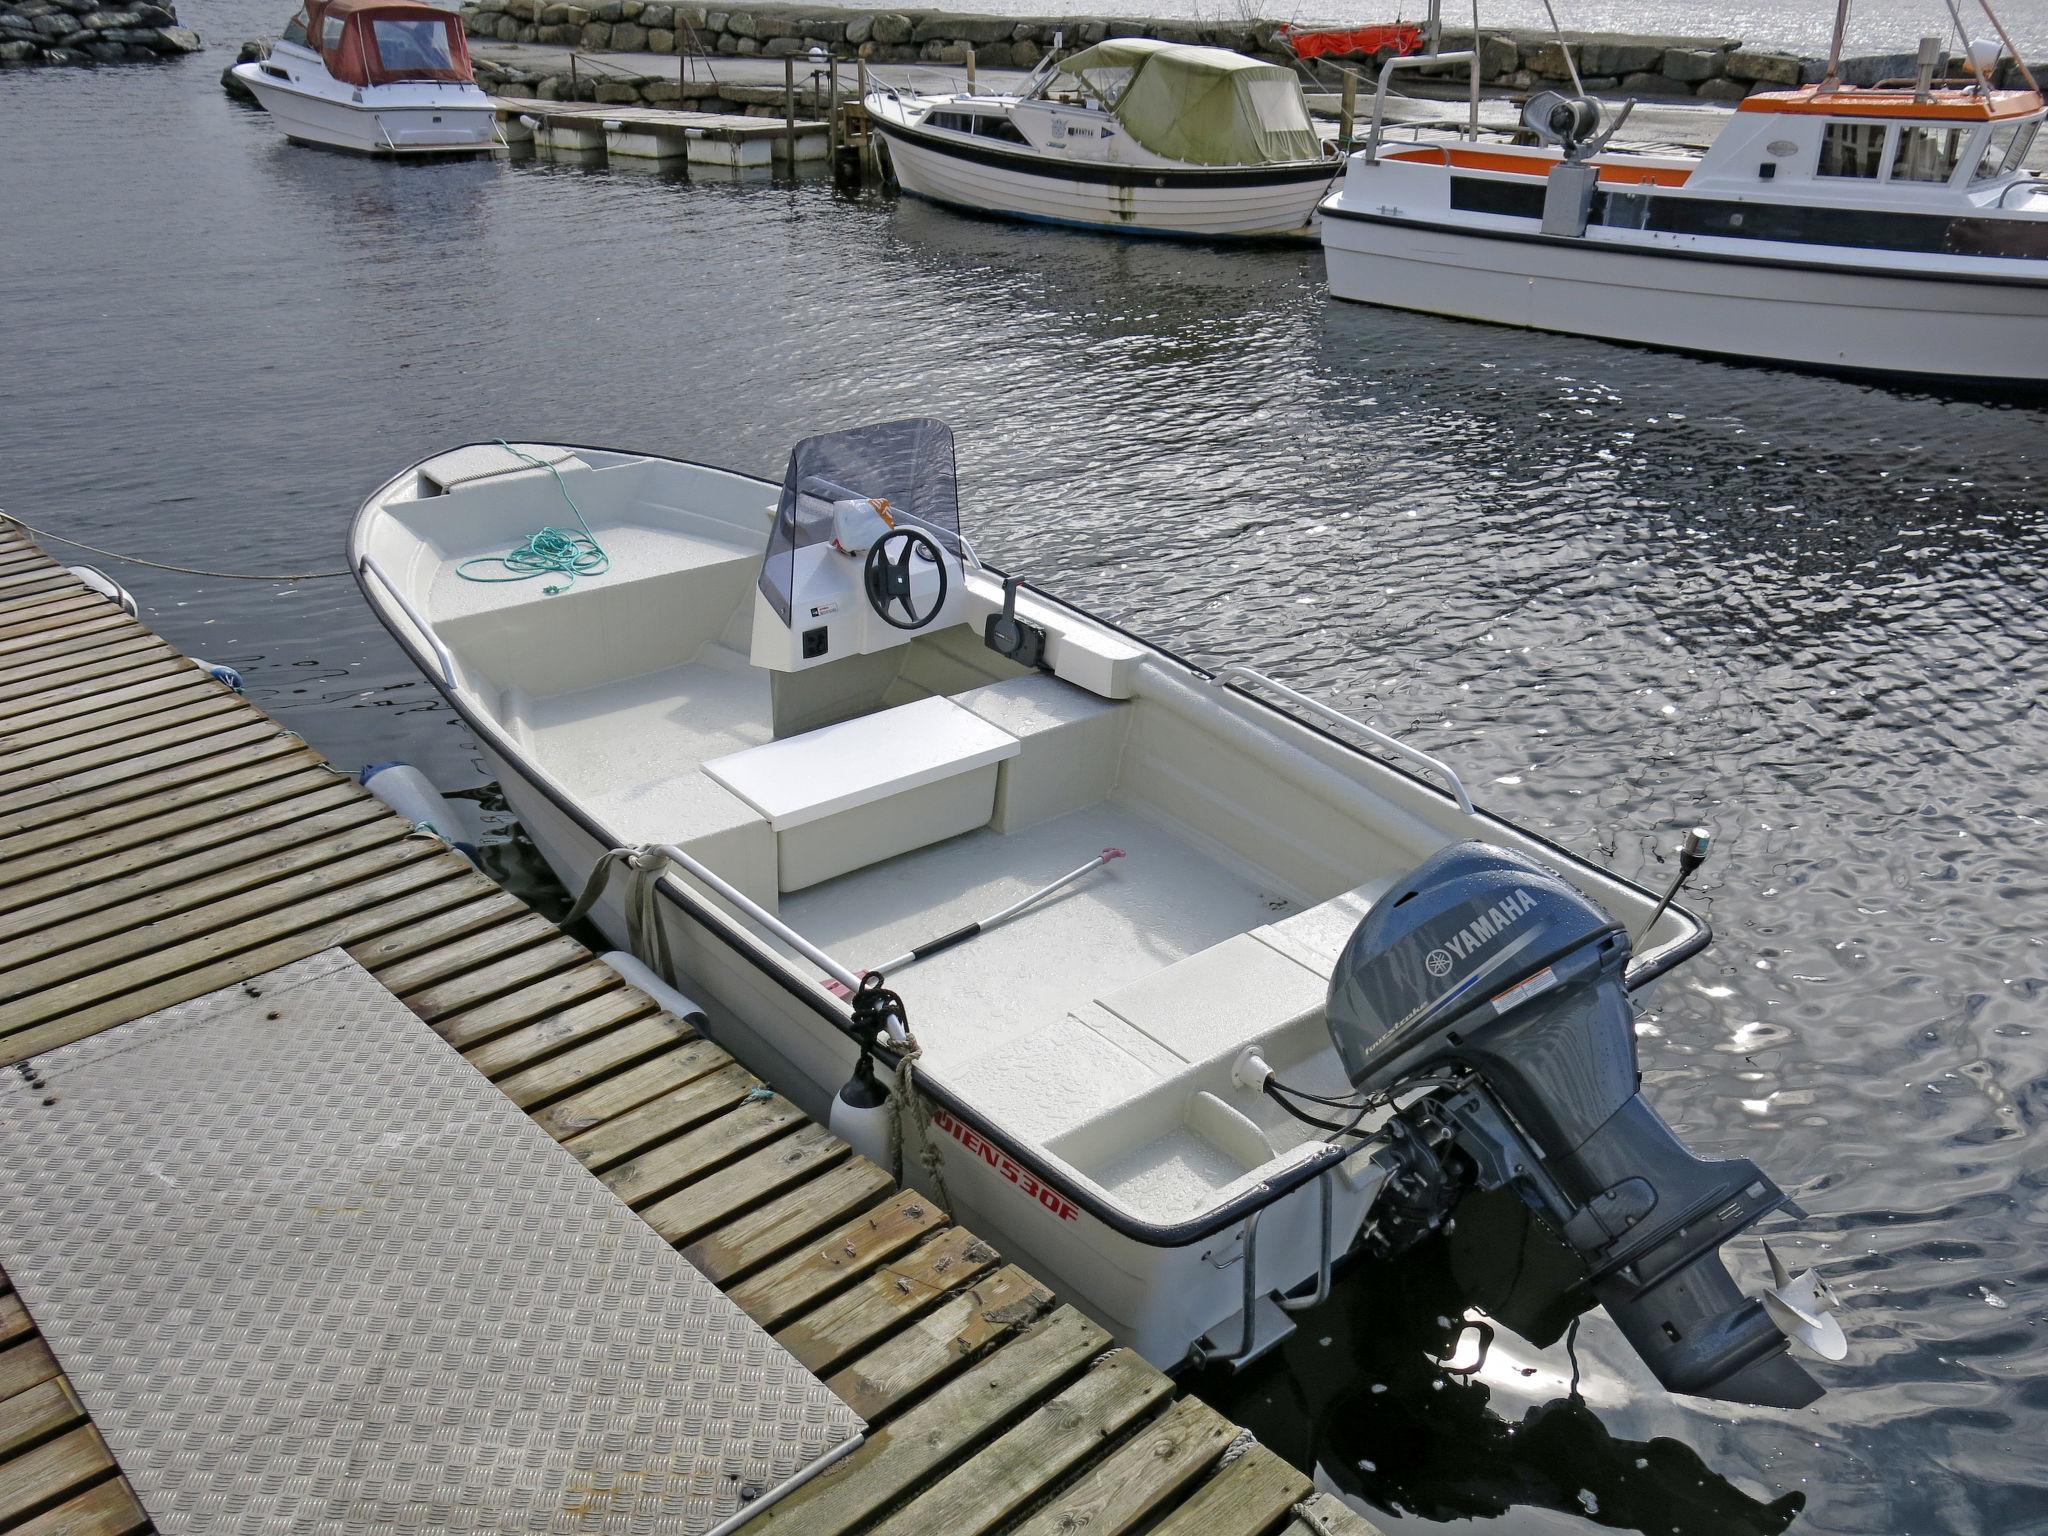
(219, 671)
(412, 794)
(637, 972)
(861, 1112)
(106, 586)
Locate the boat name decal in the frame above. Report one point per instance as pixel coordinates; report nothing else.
(1050, 1198)
(1495, 920)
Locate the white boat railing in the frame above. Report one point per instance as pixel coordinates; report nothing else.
(1223, 677)
(1468, 57)
(367, 566)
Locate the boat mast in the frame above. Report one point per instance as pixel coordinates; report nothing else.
(1832, 81)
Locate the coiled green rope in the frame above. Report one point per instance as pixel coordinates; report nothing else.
(551, 550)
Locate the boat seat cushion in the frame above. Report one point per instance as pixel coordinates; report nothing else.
(1070, 746)
(848, 795)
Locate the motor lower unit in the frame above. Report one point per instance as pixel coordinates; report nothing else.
(1494, 991)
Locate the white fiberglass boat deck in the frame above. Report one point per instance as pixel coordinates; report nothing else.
(1136, 136)
(379, 77)
(1890, 230)
(855, 743)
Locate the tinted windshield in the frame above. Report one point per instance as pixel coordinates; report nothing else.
(906, 465)
(407, 46)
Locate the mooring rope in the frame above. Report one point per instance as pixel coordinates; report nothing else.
(646, 937)
(182, 570)
(551, 550)
(911, 1112)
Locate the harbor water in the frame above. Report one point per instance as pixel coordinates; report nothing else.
(1623, 591)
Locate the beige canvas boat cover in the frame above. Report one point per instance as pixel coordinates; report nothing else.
(1207, 106)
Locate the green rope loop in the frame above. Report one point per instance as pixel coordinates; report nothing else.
(552, 550)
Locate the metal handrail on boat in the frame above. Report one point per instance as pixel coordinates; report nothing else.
(1469, 57)
(368, 566)
(1222, 677)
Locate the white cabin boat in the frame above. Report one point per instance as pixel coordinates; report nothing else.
(379, 77)
(1314, 1000)
(1892, 229)
(1137, 136)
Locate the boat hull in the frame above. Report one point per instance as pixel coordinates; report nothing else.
(1805, 313)
(1268, 203)
(375, 127)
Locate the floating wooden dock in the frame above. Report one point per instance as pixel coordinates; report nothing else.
(657, 133)
(161, 838)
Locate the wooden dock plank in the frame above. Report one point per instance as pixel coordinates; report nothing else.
(230, 822)
(842, 1256)
(734, 1247)
(1245, 1498)
(698, 1207)
(37, 1414)
(1139, 1476)
(108, 1509)
(939, 1343)
(914, 1284)
(1025, 1462)
(976, 1405)
(51, 1470)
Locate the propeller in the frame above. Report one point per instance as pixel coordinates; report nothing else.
(1803, 1308)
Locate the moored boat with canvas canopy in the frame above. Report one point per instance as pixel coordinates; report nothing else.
(378, 77)
(1132, 135)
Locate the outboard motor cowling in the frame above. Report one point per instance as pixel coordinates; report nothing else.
(1488, 979)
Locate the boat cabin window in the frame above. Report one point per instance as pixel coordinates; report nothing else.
(295, 29)
(406, 46)
(330, 33)
(2005, 150)
(980, 124)
(1852, 149)
(1927, 154)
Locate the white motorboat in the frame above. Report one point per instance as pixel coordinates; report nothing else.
(1891, 229)
(1133, 135)
(1202, 997)
(380, 77)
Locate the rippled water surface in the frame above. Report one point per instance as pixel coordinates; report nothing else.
(1623, 591)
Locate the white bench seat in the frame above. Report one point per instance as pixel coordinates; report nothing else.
(848, 795)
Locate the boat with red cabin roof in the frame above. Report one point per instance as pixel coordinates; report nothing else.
(380, 77)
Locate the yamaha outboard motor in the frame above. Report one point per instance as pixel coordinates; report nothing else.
(1488, 979)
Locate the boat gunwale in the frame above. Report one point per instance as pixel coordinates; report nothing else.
(744, 942)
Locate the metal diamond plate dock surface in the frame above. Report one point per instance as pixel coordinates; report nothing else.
(310, 1272)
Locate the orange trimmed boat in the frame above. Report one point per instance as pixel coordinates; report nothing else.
(1890, 229)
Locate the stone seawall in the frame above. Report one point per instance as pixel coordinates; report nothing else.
(87, 32)
(1704, 68)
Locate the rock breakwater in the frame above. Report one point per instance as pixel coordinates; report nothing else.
(87, 32)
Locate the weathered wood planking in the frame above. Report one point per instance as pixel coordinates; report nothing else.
(160, 839)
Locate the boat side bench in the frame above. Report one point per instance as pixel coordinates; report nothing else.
(849, 795)
(1071, 746)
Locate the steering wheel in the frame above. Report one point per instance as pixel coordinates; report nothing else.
(888, 577)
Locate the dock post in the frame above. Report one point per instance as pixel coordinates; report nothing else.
(970, 71)
(860, 83)
(789, 108)
(572, 76)
(1347, 110)
(833, 109)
